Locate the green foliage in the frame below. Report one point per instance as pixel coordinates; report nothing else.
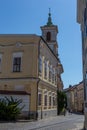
(61, 101)
(9, 109)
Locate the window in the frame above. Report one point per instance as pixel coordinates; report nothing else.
(17, 61)
(53, 75)
(40, 65)
(55, 78)
(50, 73)
(45, 100)
(39, 99)
(48, 38)
(54, 101)
(49, 100)
(17, 64)
(45, 69)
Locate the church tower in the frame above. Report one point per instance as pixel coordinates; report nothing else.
(49, 33)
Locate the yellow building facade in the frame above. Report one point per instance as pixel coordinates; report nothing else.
(79, 97)
(31, 70)
(75, 97)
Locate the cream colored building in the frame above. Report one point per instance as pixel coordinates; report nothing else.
(31, 70)
(82, 20)
(75, 97)
(70, 97)
(79, 97)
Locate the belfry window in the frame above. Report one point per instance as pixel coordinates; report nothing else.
(48, 37)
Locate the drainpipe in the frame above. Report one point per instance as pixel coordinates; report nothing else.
(37, 100)
(38, 80)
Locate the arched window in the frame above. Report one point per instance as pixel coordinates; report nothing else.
(48, 38)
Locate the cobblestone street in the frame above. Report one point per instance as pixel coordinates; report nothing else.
(68, 122)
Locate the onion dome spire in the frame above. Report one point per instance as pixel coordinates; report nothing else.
(49, 23)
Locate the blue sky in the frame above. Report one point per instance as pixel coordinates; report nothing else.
(26, 17)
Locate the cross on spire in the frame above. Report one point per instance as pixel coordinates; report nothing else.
(49, 10)
(49, 23)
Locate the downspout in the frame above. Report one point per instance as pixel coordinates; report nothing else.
(38, 80)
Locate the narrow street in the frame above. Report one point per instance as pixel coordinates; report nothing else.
(68, 122)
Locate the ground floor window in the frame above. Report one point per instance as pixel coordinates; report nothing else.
(39, 99)
(45, 100)
(49, 101)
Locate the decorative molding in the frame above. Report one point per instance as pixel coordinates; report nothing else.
(18, 44)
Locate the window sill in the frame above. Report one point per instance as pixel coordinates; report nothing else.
(16, 71)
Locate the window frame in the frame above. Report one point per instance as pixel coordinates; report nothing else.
(17, 64)
(50, 73)
(40, 65)
(45, 69)
(45, 100)
(17, 55)
(39, 99)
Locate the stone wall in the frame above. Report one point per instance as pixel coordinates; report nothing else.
(46, 113)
